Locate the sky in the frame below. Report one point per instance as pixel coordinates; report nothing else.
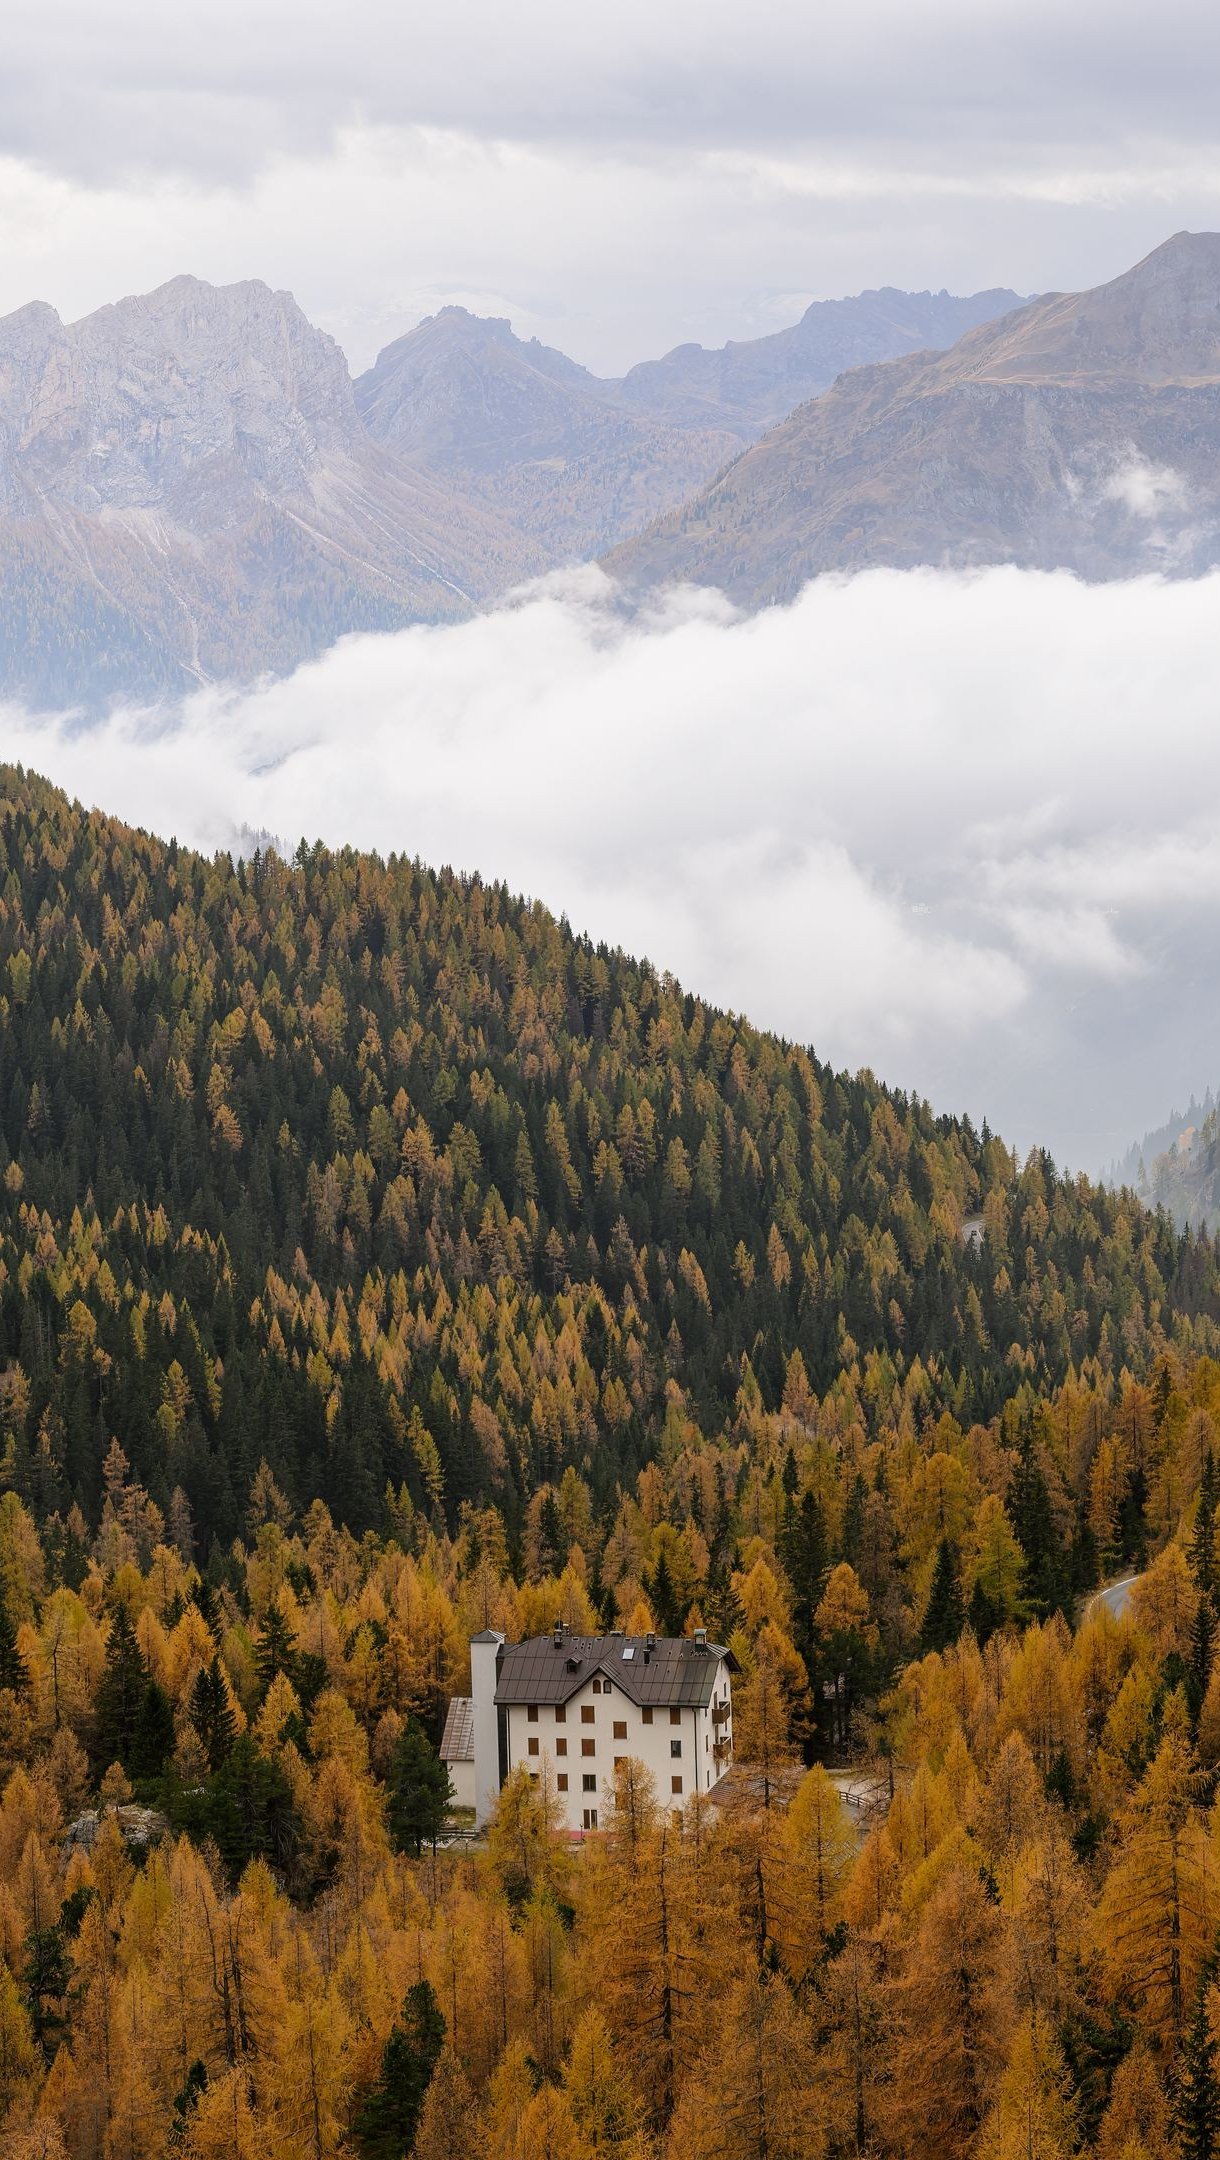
(616, 180)
(962, 829)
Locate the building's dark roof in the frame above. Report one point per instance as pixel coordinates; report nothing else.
(680, 1673)
(457, 1740)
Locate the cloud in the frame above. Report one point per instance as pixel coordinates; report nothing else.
(1146, 490)
(616, 182)
(965, 830)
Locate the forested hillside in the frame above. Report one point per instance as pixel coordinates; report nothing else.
(378, 1263)
(383, 1177)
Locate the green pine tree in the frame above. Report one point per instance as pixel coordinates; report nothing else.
(420, 1794)
(211, 1714)
(1197, 2094)
(387, 2120)
(945, 1615)
(1202, 1552)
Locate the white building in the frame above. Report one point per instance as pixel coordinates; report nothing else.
(581, 1704)
(457, 1749)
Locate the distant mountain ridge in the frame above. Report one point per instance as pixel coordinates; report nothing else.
(576, 462)
(1081, 431)
(192, 489)
(1177, 1166)
(749, 384)
(187, 493)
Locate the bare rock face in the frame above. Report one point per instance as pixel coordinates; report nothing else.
(140, 1827)
(1080, 432)
(187, 492)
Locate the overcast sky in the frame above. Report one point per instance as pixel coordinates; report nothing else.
(965, 830)
(616, 179)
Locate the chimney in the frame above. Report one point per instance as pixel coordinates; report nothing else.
(558, 1636)
(701, 1638)
(484, 1670)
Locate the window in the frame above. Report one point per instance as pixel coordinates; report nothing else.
(532, 1713)
(561, 1715)
(597, 1687)
(533, 1777)
(647, 1716)
(562, 1781)
(620, 1728)
(533, 1743)
(587, 1713)
(590, 1818)
(628, 1653)
(675, 1784)
(561, 1746)
(588, 1747)
(675, 1748)
(588, 1784)
(619, 1760)
(675, 1717)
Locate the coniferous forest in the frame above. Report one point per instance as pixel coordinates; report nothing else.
(379, 1262)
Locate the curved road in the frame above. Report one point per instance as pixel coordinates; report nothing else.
(1116, 1595)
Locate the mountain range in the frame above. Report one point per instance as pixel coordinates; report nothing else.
(1080, 431)
(193, 489)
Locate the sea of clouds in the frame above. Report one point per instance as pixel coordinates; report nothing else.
(962, 829)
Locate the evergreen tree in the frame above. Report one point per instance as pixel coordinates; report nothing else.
(211, 1714)
(45, 1978)
(134, 1720)
(945, 1616)
(1199, 1664)
(388, 2117)
(420, 1794)
(802, 1548)
(248, 1809)
(275, 1653)
(13, 1672)
(1029, 1507)
(1197, 2094)
(1202, 1551)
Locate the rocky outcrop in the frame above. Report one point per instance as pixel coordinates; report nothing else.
(140, 1827)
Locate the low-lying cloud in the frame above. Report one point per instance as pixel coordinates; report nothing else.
(965, 830)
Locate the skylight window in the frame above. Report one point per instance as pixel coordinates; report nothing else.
(628, 1653)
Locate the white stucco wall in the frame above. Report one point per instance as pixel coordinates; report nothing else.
(581, 1738)
(461, 1777)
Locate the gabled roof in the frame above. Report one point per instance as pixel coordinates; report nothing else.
(457, 1740)
(676, 1673)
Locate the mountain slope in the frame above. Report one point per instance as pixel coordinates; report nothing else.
(1178, 1166)
(749, 384)
(380, 1174)
(1082, 431)
(530, 433)
(186, 492)
(577, 463)
(189, 491)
